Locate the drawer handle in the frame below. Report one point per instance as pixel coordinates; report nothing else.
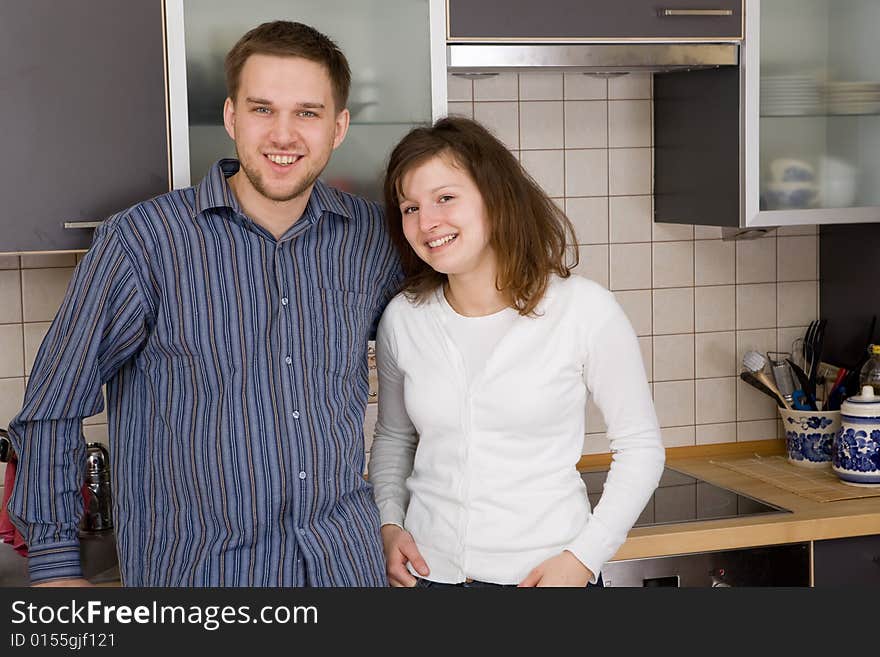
(697, 12)
(82, 224)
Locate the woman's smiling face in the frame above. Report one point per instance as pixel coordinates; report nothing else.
(444, 217)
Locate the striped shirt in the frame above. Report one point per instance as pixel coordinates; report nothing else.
(237, 381)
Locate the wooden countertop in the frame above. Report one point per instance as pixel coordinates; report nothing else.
(808, 521)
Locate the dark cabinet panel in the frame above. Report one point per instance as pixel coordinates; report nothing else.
(847, 562)
(848, 293)
(594, 19)
(696, 147)
(83, 112)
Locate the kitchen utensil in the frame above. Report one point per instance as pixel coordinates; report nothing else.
(797, 353)
(754, 362)
(827, 372)
(808, 346)
(783, 378)
(97, 516)
(804, 384)
(809, 436)
(752, 380)
(856, 454)
(817, 342)
(838, 390)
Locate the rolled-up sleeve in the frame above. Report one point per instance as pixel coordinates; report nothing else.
(103, 321)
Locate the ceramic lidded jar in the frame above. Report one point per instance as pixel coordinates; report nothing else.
(856, 454)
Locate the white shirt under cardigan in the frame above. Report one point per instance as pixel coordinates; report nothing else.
(482, 472)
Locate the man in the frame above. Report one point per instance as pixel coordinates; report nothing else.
(230, 322)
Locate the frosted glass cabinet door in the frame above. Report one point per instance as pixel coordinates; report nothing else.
(818, 103)
(388, 46)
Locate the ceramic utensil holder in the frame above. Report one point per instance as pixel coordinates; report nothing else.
(809, 436)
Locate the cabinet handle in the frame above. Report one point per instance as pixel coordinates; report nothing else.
(696, 12)
(82, 224)
(476, 76)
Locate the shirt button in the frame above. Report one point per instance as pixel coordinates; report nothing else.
(302, 531)
(288, 360)
(295, 415)
(283, 301)
(302, 475)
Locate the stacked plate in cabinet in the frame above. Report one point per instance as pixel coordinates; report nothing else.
(790, 95)
(853, 97)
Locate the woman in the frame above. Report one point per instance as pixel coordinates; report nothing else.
(485, 361)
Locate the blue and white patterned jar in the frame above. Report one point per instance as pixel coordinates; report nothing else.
(809, 436)
(856, 455)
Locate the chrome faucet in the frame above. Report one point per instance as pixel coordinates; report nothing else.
(97, 515)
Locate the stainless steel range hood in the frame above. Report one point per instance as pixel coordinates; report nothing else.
(595, 57)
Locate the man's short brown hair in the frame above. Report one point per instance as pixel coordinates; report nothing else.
(289, 39)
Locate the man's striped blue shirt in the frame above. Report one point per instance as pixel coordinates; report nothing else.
(236, 379)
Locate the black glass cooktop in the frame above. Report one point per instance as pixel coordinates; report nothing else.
(683, 498)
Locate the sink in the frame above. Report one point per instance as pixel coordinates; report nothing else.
(100, 564)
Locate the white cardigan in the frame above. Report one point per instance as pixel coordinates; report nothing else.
(483, 475)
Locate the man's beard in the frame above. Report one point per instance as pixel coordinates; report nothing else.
(257, 182)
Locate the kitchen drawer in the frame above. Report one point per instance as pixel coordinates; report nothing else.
(586, 20)
(847, 562)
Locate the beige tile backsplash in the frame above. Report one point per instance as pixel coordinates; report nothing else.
(673, 264)
(590, 218)
(629, 219)
(585, 124)
(42, 291)
(10, 295)
(696, 302)
(11, 346)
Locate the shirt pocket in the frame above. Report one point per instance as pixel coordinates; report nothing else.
(345, 320)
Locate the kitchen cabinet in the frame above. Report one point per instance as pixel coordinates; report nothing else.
(395, 48)
(853, 561)
(590, 20)
(84, 116)
(806, 140)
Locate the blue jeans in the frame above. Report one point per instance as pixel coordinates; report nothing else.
(477, 584)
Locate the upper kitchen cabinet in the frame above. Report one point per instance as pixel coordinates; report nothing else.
(84, 117)
(395, 49)
(812, 112)
(593, 20)
(792, 138)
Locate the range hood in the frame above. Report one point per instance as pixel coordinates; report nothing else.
(589, 57)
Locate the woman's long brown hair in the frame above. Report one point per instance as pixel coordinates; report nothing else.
(529, 234)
